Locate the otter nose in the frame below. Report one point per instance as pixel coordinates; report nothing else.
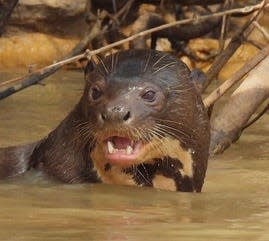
(116, 114)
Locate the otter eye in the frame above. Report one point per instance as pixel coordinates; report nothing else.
(149, 96)
(95, 93)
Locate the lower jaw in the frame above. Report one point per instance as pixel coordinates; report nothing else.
(121, 159)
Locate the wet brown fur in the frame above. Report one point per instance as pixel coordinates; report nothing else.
(176, 130)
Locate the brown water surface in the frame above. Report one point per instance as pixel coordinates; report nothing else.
(234, 204)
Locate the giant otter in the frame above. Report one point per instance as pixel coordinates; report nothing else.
(140, 121)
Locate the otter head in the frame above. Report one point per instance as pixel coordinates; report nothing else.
(140, 106)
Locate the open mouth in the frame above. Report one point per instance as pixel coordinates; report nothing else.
(122, 150)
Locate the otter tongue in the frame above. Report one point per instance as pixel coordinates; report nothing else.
(121, 142)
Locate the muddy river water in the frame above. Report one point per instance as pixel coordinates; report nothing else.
(234, 204)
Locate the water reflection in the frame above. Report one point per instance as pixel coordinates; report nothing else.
(234, 204)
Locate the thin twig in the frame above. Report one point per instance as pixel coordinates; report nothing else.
(223, 28)
(254, 43)
(11, 81)
(123, 12)
(222, 33)
(262, 30)
(217, 93)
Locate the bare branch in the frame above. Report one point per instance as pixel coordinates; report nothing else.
(228, 123)
(45, 72)
(247, 9)
(234, 44)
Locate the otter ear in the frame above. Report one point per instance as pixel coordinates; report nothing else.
(89, 67)
(198, 78)
(95, 63)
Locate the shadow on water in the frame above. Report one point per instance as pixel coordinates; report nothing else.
(234, 204)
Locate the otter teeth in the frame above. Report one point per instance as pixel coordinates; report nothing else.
(129, 150)
(110, 147)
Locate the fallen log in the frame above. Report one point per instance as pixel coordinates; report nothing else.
(227, 125)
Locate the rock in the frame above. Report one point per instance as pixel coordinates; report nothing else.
(51, 16)
(33, 50)
(48, 8)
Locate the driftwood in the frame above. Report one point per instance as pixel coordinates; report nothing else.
(6, 8)
(227, 126)
(173, 34)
